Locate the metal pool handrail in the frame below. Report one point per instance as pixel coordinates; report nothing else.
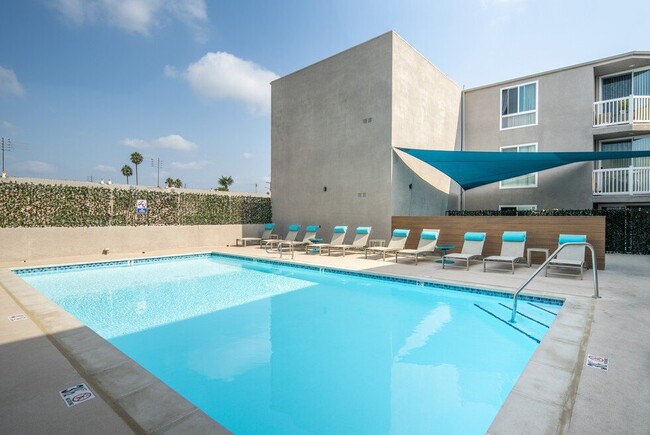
(548, 260)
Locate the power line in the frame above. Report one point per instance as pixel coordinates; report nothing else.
(157, 163)
(6, 146)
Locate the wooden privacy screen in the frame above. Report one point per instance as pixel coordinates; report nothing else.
(541, 231)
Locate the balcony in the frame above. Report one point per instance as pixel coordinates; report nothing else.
(622, 181)
(619, 111)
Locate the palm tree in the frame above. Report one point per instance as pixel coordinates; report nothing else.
(127, 172)
(178, 183)
(169, 182)
(225, 182)
(136, 159)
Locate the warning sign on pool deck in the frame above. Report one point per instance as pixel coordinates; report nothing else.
(76, 395)
(17, 317)
(598, 362)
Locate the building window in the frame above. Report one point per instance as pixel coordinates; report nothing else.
(631, 144)
(624, 85)
(516, 208)
(523, 181)
(519, 106)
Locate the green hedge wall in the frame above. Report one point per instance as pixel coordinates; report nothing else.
(627, 231)
(42, 205)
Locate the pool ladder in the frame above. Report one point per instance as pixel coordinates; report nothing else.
(594, 266)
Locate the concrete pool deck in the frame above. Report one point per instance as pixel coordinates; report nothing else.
(50, 351)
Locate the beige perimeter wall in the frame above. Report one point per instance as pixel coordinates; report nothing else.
(25, 244)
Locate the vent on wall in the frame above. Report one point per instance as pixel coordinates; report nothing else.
(367, 120)
(361, 195)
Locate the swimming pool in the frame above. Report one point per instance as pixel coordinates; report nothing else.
(266, 348)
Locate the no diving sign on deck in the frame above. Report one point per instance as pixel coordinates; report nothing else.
(597, 362)
(141, 206)
(76, 395)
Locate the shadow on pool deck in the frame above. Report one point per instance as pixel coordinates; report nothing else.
(574, 401)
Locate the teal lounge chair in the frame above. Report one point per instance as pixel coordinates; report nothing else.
(426, 246)
(266, 234)
(396, 243)
(338, 237)
(570, 257)
(359, 243)
(472, 249)
(513, 244)
(291, 236)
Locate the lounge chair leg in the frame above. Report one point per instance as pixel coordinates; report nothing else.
(483, 265)
(513, 267)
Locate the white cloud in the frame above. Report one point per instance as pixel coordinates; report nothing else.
(9, 83)
(225, 76)
(248, 155)
(35, 167)
(8, 126)
(170, 71)
(171, 142)
(190, 165)
(105, 168)
(136, 16)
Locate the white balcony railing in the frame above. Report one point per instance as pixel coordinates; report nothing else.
(622, 181)
(626, 110)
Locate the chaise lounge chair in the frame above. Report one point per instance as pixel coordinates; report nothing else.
(472, 249)
(267, 234)
(426, 245)
(570, 257)
(291, 236)
(396, 243)
(310, 233)
(338, 237)
(512, 249)
(360, 241)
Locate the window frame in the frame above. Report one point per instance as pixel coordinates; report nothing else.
(510, 115)
(620, 73)
(529, 186)
(521, 207)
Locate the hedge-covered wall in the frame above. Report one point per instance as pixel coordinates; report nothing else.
(43, 205)
(627, 231)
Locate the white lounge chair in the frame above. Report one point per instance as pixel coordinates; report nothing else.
(397, 242)
(513, 244)
(338, 237)
(426, 246)
(310, 233)
(291, 236)
(267, 234)
(570, 257)
(472, 249)
(360, 241)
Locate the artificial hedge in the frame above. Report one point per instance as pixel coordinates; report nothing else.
(43, 205)
(627, 231)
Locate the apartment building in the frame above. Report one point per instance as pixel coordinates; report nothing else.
(336, 124)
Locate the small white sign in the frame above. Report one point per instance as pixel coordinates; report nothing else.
(76, 395)
(598, 362)
(141, 206)
(17, 317)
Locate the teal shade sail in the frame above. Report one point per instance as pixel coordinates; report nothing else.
(472, 169)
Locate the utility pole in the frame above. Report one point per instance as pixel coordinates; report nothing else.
(157, 163)
(6, 146)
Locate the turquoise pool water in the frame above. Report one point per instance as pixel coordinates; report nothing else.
(265, 348)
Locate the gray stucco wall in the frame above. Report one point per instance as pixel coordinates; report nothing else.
(565, 100)
(426, 106)
(321, 137)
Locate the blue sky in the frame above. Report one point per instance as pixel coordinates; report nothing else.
(84, 83)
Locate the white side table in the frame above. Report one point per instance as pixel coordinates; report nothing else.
(376, 242)
(529, 251)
